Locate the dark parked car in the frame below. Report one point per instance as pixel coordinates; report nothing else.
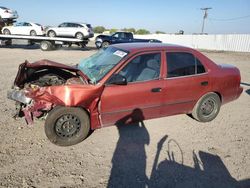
(119, 37)
(123, 83)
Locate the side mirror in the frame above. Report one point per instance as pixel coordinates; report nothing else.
(117, 79)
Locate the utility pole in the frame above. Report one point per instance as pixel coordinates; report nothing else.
(204, 17)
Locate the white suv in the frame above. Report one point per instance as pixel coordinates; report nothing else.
(69, 29)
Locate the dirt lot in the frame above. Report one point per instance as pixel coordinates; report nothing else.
(174, 151)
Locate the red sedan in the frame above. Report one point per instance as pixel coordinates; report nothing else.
(121, 84)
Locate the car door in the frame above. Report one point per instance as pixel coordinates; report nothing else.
(17, 29)
(62, 29)
(26, 28)
(138, 100)
(186, 81)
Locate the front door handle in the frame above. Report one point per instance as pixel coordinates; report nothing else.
(205, 83)
(154, 90)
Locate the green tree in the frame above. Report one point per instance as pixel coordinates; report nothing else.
(160, 32)
(132, 30)
(113, 30)
(142, 32)
(99, 29)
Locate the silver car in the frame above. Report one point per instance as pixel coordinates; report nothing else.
(70, 29)
(6, 13)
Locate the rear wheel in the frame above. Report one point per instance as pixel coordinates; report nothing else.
(79, 36)
(207, 108)
(6, 32)
(45, 45)
(33, 33)
(52, 33)
(66, 126)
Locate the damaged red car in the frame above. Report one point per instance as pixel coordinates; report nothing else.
(121, 84)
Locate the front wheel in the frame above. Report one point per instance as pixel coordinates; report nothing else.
(6, 32)
(207, 107)
(66, 126)
(105, 44)
(51, 34)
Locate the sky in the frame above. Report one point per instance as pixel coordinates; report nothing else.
(153, 15)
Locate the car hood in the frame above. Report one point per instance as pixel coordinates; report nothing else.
(103, 36)
(25, 70)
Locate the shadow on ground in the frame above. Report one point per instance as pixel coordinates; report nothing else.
(129, 162)
(248, 91)
(37, 46)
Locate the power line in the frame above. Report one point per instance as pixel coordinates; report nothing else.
(230, 19)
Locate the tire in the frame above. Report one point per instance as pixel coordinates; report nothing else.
(6, 32)
(51, 33)
(79, 36)
(207, 107)
(45, 45)
(66, 126)
(33, 33)
(105, 44)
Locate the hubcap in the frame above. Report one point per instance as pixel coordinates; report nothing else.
(44, 46)
(52, 34)
(208, 107)
(67, 126)
(79, 36)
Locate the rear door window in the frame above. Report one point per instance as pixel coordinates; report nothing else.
(183, 64)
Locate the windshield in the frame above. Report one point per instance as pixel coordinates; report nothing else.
(99, 64)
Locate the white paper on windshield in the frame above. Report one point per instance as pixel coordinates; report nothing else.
(120, 53)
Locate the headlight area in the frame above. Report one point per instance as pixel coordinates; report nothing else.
(27, 107)
(19, 96)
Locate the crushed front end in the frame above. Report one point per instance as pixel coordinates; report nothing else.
(37, 84)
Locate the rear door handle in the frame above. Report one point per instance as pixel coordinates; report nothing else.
(205, 83)
(154, 90)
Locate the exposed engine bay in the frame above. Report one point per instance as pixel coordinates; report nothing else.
(31, 82)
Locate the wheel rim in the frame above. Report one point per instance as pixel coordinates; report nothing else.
(105, 44)
(6, 32)
(208, 107)
(44, 46)
(67, 126)
(52, 34)
(33, 33)
(79, 36)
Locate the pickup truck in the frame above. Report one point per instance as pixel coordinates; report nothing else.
(103, 41)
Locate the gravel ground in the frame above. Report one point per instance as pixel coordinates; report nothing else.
(173, 151)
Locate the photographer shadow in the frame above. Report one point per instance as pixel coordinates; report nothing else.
(129, 158)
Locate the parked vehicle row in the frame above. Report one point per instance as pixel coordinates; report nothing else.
(68, 29)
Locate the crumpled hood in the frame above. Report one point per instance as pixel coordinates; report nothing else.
(26, 69)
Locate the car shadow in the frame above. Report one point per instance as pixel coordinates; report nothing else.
(248, 91)
(129, 162)
(33, 46)
(246, 84)
(26, 47)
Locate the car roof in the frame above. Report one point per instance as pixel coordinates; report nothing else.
(75, 23)
(145, 46)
